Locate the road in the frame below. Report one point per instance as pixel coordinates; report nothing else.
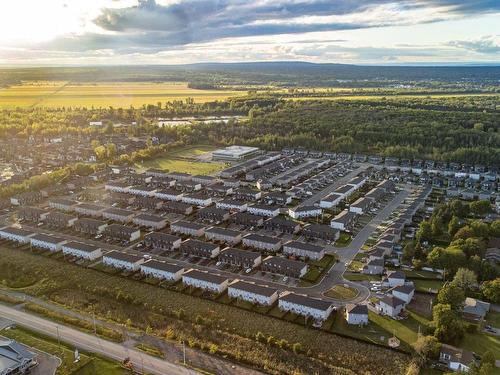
(91, 343)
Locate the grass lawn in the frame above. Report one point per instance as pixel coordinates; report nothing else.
(344, 240)
(422, 274)
(355, 265)
(361, 277)
(149, 350)
(406, 330)
(426, 285)
(175, 165)
(479, 343)
(193, 151)
(493, 318)
(341, 292)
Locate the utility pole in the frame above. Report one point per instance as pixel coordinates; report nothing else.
(184, 351)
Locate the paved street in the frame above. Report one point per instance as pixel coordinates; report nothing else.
(91, 343)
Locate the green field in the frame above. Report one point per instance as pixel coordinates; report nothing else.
(103, 94)
(170, 164)
(341, 292)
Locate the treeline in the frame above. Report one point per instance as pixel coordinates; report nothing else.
(358, 128)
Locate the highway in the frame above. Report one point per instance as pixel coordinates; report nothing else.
(141, 361)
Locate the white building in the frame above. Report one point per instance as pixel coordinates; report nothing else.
(391, 306)
(142, 191)
(356, 314)
(306, 306)
(457, 359)
(205, 281)
(162, 270)
(303, 249)
(404, 292)
(117, 186)
(82, 250)
(120, 260)
(303, 212)
(234, 152)
(343, 221)
(253, 293)
(264, 210)
(361, 205)
(169, 195)
(45, 241)
(16, 235)
(229, 204)
(197, 199)
(331, 200)
(395, 278)
(150, 221)
(117, 214)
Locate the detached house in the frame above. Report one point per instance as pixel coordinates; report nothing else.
(253, 293)
(395, 278)
(344, 221)
(303, 305)
(404, 292)
(204, 280)
(390, 305)
(356, 314)
(456, 359)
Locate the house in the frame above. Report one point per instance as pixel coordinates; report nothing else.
(33, 214)
(162, 241)
(219, 189)
(303, 212)
(261, 242)
(48, 242)
(142, 190)
(344, 191)
(263, 184)
(303, 249)
(60, 220)
(200, 249)
(187, 227)
(344, 221)
(264, 210)
(178, 208)
(282, 224)
(390, 305)
(246, 219)
(361, 206)
(204, 180)
(62, 204)
(197, 199)
(118, 214)
(151, 203)
(26, 198)
(90, 226)
(88, 209)
(231, 237)
(123, 199)
(278, 198)
(188, 186)
(493, 250)
(374, 267)
(395, 278)
(284, 266)
(306, 306)
(122, 232)
(331, 200)
(254, 293)
(16, 235)
(162, 270)
(151, 221)
(117, 186)
(213, 214)
(404, 292)
(169, 195)
(245, 193)
(232, 182)
(357, 182)
(179, 176)
(121, 260)
(456, 359)
(240, 258)
(375, 194)
(15, 359)
(232, 205)
(82, 250)
(356, 314)
(321, 231)
(376, 253)
(475, 309)
(204, 280)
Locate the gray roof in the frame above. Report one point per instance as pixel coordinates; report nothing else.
(205, 276)
(152, 218)
(13, 355)
(223, 231)
(16, 231)
(261, 238)
(118, 211)
(304, 246)
(85, 247)
(392, 301)
(162, 266)
(459, 355)
(356, 309)
(48, 238)
(187, 224)
(253, 288)
(123, 256)
(303, 300)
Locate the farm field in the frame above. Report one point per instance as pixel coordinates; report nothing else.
(388, 97)
(115, 94)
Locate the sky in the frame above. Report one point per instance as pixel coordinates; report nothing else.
(90, 32)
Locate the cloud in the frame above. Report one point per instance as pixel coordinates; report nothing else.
(486, 44)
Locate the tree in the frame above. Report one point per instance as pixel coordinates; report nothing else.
(424, 232)
(408, 252)
(452, 296)
(427, 347)
(464, 233)
(491, 290)
(436, 227)
(480, 208)
(458, 208)
(465, 279)
(449, 259)
(454, 225)
(480, 228)
(495, 228)
(449, 328)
